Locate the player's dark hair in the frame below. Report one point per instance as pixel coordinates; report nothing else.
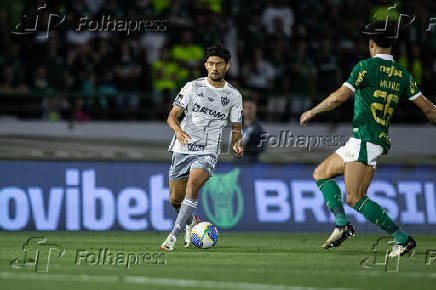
(218, 50)
(382, 33)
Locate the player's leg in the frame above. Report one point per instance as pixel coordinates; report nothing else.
(178, 177)
(177, 195)
(200, 169)
(330, 168)
(358, 177)
(323, 175)
(197, 177)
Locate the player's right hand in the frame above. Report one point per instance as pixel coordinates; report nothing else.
(182, 136)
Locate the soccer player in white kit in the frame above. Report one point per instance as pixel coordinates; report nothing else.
(207, 103)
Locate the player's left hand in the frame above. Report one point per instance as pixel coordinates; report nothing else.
(306, 117)
(239, 150)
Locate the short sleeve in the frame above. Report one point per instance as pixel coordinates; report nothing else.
(412, 91)
(236, 112)
(357, 78)
(183, 99)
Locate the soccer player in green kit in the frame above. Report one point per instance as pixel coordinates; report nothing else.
(378, 83)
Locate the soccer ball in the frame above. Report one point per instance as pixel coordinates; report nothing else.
(204, 235)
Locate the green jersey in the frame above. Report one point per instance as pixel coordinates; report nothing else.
(379, 83)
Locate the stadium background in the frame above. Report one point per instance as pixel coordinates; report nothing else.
(82, 112)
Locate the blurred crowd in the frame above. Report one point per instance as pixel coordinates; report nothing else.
(286, 55)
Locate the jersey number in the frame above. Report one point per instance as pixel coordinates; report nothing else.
(385, 109)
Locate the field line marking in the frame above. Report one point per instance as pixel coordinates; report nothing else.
(156, 281)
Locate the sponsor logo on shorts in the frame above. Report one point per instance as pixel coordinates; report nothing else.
(349, 155)
(196, 147)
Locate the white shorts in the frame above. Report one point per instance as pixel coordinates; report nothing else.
(361, 151)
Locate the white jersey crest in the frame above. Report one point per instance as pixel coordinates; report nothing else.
(206, 112)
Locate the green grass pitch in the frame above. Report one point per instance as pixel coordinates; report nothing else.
(238, 261)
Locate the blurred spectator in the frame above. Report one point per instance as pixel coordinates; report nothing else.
(328, 72)
(80, 114)
(167, 74)
(278, 18)
(9, 84)
(417, 66)
(302, 77)
(187, 52)
(40, 81)
(258, 72)
(252, 131)
(128, 73)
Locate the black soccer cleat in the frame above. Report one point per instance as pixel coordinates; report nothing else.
(339, 235)
(403, 249)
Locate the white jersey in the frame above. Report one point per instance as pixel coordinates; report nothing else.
(206, 111)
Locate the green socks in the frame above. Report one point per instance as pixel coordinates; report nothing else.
(378, 216)
(371, 211)
(333, 198)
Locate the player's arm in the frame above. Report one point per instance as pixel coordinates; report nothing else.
(236, 119)
(427, 107)
(236, 138)
(173, 122)
(330, 103)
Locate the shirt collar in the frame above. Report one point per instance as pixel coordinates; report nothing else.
(384, 56)
(210, 86)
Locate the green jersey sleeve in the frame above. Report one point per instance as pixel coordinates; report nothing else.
(412, 91)
(357, 78)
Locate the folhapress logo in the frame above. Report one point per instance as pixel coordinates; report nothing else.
(82, 204)
(37, 254)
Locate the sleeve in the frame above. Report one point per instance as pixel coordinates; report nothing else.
(412, 91)
(184, 97)
(357, 77)
(236, 113)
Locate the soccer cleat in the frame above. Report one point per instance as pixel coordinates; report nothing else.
(339, 235)
(168, 244)
(188, 231)
(402, 249)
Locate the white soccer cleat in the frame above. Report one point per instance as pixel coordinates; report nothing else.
(188, 231)
(169, 243)
(403, 249)
(339, 235)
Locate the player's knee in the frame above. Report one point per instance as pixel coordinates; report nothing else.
(318, 173)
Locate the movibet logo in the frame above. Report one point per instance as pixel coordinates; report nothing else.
(222, 199)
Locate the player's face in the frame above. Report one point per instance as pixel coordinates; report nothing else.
(216, 68)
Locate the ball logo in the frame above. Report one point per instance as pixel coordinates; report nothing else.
(222, 199)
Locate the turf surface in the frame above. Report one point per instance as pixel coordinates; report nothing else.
(238, 261)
